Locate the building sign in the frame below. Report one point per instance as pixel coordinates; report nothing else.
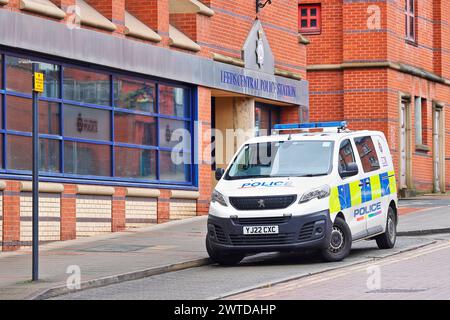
(267, 86)
(38, 84)
(256, 52)
(87, 123)
(258, 77)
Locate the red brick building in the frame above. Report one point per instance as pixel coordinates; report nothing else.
(385, 65)
(121, 77)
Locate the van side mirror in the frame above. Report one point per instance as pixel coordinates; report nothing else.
(350, 171)
(219, 173)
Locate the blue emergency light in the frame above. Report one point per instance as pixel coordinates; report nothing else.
(311, 125)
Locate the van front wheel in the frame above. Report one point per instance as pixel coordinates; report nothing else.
(340, 242)
(225, 259)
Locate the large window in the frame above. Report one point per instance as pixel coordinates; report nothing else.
(95, 125)
(410, 20)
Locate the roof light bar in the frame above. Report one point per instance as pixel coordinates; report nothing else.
(311, 125)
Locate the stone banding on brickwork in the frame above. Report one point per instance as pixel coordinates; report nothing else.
(141, 192)
(381, 64)
(48, 187)
(183, 194)
(189, 6)
(91, 17)
(44, 7)
(95, 190)
(287, 74)
(2, 185)
(227, 59)
(179, 40)
(137, 29)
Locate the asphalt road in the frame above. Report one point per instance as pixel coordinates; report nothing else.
(213, 281)
(419, 274)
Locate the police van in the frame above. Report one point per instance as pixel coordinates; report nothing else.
(307, 186)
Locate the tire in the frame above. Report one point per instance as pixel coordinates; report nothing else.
(340, 242)
(388, 238)
(224, 259)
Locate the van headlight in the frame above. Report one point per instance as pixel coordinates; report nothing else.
(218, 197)
(319, 193)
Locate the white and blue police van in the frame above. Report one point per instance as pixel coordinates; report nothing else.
(307, 186)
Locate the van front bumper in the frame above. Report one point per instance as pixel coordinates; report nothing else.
(295, 233)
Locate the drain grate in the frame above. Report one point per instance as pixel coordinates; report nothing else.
(115, 248)
(410, 290)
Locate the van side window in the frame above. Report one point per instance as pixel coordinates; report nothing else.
(346, 155)
(367, 153)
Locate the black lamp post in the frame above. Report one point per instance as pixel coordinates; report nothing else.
(261, 4)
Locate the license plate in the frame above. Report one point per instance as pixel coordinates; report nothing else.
(261, 230)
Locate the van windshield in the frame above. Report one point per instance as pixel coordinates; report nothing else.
(282, 159)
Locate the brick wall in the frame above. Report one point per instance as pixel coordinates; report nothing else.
(93, 215)
(49, 217)
(140, 212)
(182, 209)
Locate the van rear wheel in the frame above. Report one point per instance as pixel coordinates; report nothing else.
(340, 242)
(388, 238)
(225, 259)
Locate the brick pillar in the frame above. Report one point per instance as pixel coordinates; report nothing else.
(118, 210)
(186, 23)
(153, 13)
(113, 10)
(204, 148)
(163, 206)
(11, 216)
(195, 26)
(69, 212)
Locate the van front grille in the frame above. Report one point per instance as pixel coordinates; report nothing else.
(262, 239)
(261, 221)
(262, 203)
(306, 231)
(220, 235)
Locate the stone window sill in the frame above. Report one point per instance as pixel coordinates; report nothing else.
(422, 148)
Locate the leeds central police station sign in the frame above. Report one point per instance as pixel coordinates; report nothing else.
(258, 78)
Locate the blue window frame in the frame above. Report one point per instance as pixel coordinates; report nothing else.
(97, 125)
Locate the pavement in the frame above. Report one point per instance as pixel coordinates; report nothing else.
(424, 215)
(172, 248)
(105, 259)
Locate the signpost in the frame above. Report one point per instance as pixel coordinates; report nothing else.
(38, 87)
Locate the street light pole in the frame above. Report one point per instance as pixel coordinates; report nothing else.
(37, 87)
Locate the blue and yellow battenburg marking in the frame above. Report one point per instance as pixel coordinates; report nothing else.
(360, 191)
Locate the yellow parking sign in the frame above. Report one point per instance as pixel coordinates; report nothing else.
(38, 82)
